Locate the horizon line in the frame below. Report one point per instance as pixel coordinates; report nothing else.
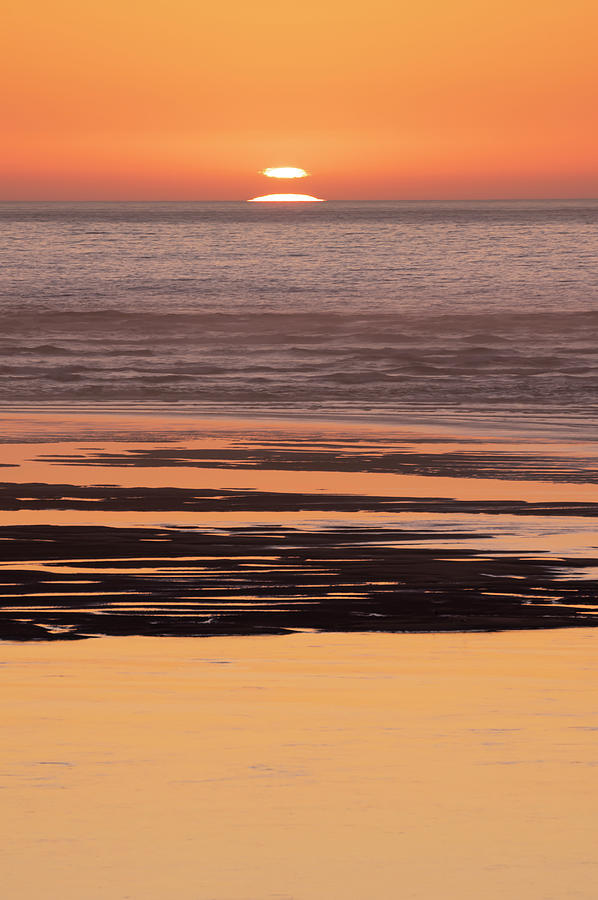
(355, 200)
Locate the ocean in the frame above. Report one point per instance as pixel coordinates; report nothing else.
(360, 307)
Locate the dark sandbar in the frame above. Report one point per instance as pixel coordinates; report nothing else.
(271, 580)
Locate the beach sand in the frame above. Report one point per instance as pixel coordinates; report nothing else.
(307, 766)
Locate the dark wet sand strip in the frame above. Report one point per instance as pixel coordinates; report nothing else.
(346, 458)
(29, 496)
(66, 583)
(347, 552)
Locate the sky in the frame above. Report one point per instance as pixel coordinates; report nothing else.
(191, 99)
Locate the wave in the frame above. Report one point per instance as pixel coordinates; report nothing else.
(530, 357)
(357, 304)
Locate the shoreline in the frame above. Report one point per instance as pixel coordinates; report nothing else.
(240, 526)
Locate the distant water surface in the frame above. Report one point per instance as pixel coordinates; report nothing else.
(369, 304)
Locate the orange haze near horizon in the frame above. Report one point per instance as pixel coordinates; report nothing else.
(188, 100)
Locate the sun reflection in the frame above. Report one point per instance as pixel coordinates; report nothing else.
(284, 172)
(286, 198)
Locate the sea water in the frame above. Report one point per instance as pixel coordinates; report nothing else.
(368, 306)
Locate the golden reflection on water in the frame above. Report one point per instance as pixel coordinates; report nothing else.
(306, 767)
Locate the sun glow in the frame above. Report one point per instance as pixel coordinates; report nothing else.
(284, 172)
(286, 198)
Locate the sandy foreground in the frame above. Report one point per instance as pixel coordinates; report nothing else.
(306, 766)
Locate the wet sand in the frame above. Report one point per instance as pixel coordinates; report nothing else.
(307, 766)
(308, 747)
(185, 525)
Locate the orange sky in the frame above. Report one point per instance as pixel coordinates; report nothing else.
(189, 99)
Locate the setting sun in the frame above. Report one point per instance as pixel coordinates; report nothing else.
(284, 172)
(286, 198)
